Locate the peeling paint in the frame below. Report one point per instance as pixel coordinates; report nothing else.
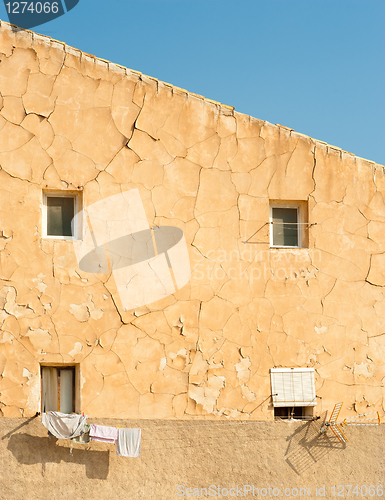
(73, 123)
(78, 347)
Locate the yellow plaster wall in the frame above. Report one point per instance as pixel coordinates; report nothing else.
(72, 122)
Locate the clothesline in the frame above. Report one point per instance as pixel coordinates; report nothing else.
(199, 423)
(73, 426)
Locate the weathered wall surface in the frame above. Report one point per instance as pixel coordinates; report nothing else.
(71, 122)
(190, 455)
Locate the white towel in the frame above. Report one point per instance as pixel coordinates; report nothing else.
(64, 425)
(129, 443)
(104, 433)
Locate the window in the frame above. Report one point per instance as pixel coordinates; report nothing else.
(294, 412)
(59, 215)
(58, 388)
(285, 222)
(293, 390)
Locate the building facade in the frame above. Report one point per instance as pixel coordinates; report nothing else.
(164, 257)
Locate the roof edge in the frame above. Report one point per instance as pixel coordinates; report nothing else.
(178, 89)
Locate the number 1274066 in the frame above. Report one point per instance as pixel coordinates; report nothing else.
(32, 7)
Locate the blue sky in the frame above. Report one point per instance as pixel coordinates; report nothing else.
(317, 66)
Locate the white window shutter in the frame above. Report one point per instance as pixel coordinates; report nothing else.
(293, 386)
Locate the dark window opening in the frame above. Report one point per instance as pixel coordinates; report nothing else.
(295, 412)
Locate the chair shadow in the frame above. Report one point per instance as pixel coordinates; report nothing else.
(307, 445)
(31, 450)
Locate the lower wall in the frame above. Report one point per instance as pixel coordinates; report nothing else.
(191, 454)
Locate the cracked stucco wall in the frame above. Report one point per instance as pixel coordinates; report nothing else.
(72, 122)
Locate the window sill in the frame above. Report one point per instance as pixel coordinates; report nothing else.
(287, 247)
(62, 238)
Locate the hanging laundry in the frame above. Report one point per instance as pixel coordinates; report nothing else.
(83, 438)
(104, 433)
(64, 425)
(129, 443)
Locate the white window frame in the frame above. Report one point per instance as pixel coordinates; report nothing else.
(299, 232)
(60, 194)
(284, 390)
